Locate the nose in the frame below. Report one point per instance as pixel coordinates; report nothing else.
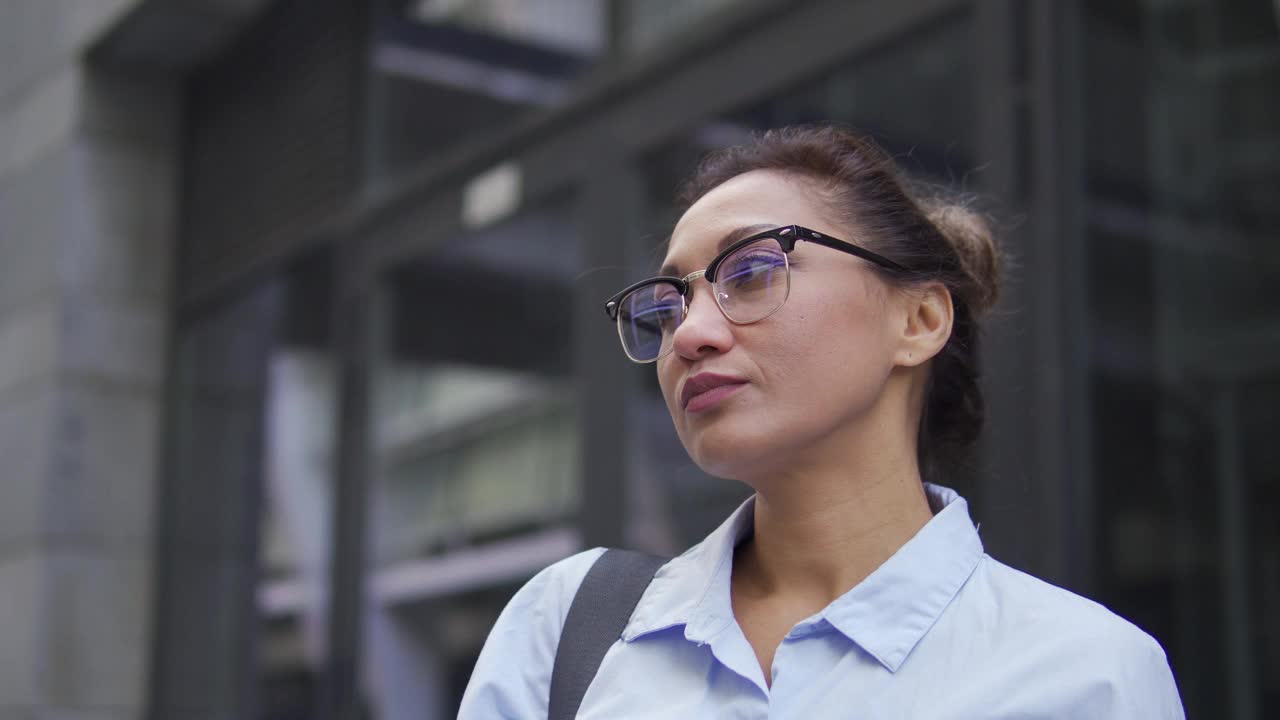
(705, 329)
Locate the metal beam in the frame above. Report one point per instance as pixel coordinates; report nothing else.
(175, 36)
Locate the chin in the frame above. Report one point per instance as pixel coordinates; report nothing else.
(727, 449)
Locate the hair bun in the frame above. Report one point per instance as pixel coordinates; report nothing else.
(969, 233)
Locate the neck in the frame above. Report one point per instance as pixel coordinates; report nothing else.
(822, 546)
(822, 528)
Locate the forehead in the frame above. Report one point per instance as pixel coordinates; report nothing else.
(762, 197)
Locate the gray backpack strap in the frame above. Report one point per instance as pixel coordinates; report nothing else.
(599, 612)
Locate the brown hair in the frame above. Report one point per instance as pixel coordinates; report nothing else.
(936, 239)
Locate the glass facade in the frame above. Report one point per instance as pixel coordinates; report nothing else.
(246, 511)
(442, 72)
(492, 403)
(644, 25)
(475, 446)
(296, 500)
(1183, 198)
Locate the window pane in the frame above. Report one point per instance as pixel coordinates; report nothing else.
(248, 504)
(645, 24)
(298, 406)
(443, 71)
(476, 445)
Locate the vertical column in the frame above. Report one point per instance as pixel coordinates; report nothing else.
(1036, 478)
(358, 334)
(209, 510)
(87, 202)
(1006, 488)
(1068, 457)
(606, 212)
(1233, 519)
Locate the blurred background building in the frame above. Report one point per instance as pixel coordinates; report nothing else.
(303, 366)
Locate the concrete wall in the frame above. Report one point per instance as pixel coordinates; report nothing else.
(88, 164)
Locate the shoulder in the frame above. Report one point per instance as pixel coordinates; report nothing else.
(1025, 601)
(1104, 664)
(536, 613)
(512, 677)
(547, 596)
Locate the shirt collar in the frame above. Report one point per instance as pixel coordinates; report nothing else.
(886, 614)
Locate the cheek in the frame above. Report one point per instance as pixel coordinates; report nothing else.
(825, 351)
(668, 377)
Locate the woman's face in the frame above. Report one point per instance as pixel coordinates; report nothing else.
(811, 371)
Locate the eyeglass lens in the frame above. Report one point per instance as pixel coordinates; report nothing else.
(750, 284)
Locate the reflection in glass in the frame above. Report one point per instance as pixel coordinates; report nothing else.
(476, 451)
(298, 407)
(443, 71)
(246, 577)
(645, 24)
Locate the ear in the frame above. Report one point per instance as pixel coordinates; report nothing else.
(927, 324)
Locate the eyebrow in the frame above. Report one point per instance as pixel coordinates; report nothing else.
(729, 238)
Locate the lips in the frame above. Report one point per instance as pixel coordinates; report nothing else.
(706, 383)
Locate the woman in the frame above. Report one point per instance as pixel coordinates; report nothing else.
(813, 329)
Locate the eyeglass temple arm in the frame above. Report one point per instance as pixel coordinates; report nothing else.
(847, 247)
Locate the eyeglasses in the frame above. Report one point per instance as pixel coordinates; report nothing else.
(750, 280)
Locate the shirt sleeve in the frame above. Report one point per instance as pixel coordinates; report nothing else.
(512, 678)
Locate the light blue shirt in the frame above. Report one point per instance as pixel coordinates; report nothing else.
(940, 630)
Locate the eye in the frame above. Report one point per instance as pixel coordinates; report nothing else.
(665, 314)
(752, 269)
(666, 295)
(656, 310)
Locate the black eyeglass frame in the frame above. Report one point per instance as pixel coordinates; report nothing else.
(787, 236)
